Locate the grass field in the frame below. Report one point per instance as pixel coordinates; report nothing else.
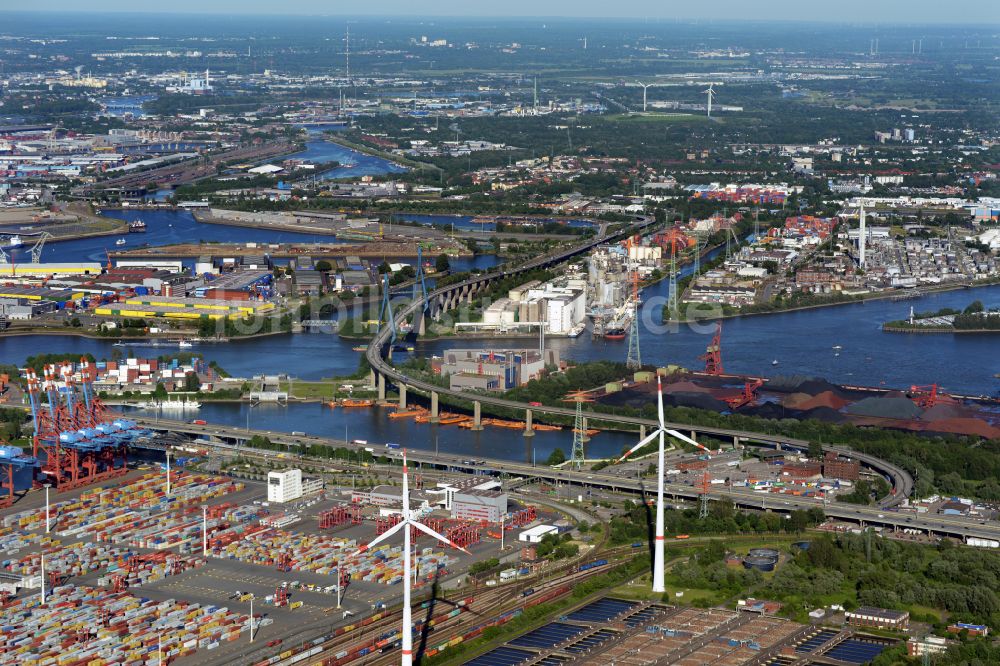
(654, 117)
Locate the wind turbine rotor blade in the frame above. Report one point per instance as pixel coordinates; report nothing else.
(406, 489)
(382, 537)
(642, 442)
(683, 438)
(659, 402)
(428, 531)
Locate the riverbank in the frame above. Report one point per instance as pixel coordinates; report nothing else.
(889, 328)
(367, 250)
(381, 154)
(861, 299)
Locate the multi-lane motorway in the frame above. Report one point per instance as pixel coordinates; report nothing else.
(883, 515)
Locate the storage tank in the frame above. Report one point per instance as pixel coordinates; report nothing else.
(764, 564)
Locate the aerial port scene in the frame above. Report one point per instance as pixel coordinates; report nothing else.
(500, 335)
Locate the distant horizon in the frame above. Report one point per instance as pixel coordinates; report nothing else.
(865, 12)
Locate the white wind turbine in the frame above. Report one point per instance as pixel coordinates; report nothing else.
(408, 521)
(711, 93)
(662, 430)
(645, 86)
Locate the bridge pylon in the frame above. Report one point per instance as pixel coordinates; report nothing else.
(385, 311)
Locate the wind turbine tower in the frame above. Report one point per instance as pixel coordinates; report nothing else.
(645, 86)
(347, 54)
(408, 524)
(661, 431)
(711, 93)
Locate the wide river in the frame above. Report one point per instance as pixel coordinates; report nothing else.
(801, 342)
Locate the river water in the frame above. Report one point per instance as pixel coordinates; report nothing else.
(802, 342)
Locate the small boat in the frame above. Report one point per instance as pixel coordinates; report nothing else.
(184, 344)
(120, 242)
(837, 347)
(136, 227)
(774, 362)
(615, 333)
(837, 354)
(360, 348)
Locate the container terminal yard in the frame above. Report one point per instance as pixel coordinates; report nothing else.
(167, 558)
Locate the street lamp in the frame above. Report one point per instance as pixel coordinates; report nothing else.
(43, 578)
(47, 486)
(168, 472)
(340, 582)
(251, 618)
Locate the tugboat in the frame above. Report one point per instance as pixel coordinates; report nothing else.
(137, 227)
(615, 332)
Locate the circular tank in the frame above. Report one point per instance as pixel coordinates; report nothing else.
(760, 563)
(764, 552)
(801, 545)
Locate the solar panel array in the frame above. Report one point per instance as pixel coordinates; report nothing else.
(547, 636)
(601, 610)
(588, 643)
(815, 641)
(501, 656)
(855, 651)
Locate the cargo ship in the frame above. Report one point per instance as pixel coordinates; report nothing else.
(13, 242)
(136, 227)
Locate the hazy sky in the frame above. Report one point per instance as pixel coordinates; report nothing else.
(855, 11)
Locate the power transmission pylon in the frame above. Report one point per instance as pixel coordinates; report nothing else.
(634, 359)
(703, 508)
(577, 455)
(672, 304)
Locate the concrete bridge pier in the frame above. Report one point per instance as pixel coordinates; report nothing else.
(477, 418)
(381, 386)
(402, 397)
(435, 415)
(642, 432)
(529, 430)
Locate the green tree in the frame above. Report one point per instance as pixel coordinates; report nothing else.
(324, 266)
(815, 449)
(442, 263)
(191, 382)
(383, 268)
(557, 457)
(974, 307)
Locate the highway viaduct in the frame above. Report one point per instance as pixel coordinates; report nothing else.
(233, 439)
